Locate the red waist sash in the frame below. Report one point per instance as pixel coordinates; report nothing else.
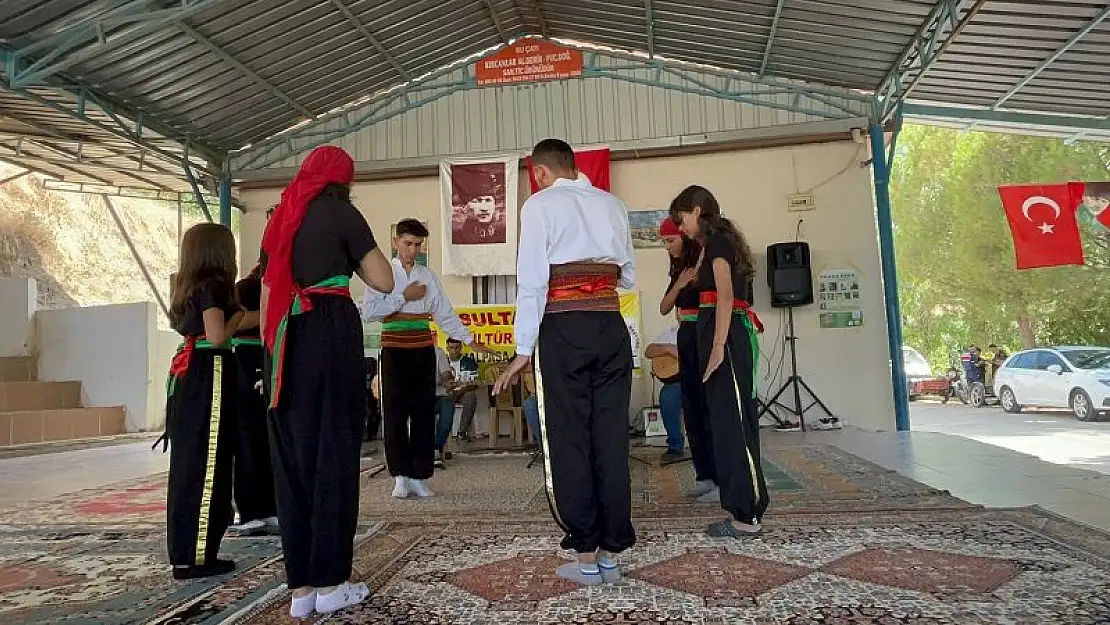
(583, 287)
(708, 299)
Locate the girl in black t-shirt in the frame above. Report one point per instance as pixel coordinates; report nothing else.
(254, 477)
(201, 402)
(682, 293)
(727, 351)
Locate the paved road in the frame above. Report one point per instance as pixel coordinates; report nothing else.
(1055, 437)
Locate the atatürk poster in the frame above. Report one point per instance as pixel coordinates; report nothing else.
(479, 200)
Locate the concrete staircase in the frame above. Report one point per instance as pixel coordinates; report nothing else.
(38, 412)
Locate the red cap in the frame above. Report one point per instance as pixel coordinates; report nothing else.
(669, 229)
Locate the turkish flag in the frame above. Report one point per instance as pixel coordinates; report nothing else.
(593, 163)
(1044, 225)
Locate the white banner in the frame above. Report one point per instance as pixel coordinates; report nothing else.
(479, 204)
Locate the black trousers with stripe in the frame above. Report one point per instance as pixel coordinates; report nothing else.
(734, 420)
(408, 389)
(201, 428)
(694, 412)
(254, 476)
(316, 440)
(583, 363)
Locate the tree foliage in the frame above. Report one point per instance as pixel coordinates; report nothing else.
(957, 278)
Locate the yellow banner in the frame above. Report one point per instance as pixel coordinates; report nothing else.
(492, 326)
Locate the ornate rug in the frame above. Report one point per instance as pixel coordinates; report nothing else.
(98, 556)
(942, 567)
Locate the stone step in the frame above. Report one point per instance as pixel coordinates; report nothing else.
(22, 396)
(41, 426)
(18, 369)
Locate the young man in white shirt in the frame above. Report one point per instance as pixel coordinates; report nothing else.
(407, 365)
(575, 251)
(670, 396)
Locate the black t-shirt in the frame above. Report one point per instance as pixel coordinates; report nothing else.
(249, 292)
(332, 240)
(687, 297)
(209, 293)
(718, 246)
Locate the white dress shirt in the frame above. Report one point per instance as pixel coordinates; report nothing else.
(376, 305)
(569, 222)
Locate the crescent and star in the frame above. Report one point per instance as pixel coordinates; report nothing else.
(1045, 227)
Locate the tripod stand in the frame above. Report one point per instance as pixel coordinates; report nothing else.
(794, 382)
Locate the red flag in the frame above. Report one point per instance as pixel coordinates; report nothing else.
(1044, 225)
(593, 163)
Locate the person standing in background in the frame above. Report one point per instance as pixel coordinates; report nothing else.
(682, 294)
(665, 347)
(727, 349)
(254, 476)
(407, 364)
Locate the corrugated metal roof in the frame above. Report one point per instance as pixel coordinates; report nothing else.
(234, 72)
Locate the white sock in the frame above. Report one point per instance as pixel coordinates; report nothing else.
(303, 606)
(420, 489)
(400, 487)
(344, 595)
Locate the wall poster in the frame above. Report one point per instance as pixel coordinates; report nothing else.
(838, 299)
(479, 201)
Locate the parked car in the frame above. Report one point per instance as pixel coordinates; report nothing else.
(1077, 378)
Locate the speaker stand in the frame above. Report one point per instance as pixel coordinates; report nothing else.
(795, 382)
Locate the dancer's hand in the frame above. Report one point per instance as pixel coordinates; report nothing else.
(686, 277)
(508, 378)
(716, 357)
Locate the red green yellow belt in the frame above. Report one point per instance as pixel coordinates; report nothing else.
(708, 299)
(744, 310)
(687, 315)
(302, 303)
(250, 341)
(179, 366)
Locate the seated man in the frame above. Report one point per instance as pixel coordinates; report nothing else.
(457, 376)
(665, 347)
(531, 408)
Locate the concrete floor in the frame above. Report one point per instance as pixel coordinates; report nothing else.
(1056, 437)
(984, 456)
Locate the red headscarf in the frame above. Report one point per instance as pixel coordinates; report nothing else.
(669, 229)
(325, 165)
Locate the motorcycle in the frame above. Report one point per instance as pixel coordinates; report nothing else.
(957, 386)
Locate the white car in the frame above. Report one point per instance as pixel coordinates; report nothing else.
(1058, 377)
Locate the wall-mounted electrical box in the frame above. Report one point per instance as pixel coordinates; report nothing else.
(800, 202)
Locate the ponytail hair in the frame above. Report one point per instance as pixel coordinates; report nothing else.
(712, 222)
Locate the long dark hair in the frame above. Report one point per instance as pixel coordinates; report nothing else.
(691, 251)
(207, 253)
(712, 222)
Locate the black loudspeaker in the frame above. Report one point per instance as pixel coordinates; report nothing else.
(789, 275)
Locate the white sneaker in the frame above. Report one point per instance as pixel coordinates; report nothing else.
(702, 487)
(345, 595)
(420, 489)
(248, 527)
(713, 496)
(400, 487)
(302, 607)
(828, 423)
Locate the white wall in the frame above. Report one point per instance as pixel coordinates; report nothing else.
(847, 367)
(107, 348)
(18, 302)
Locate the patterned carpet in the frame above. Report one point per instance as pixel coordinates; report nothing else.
(846, 542)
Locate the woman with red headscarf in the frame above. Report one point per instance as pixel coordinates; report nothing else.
(682, 293)
(314, 242)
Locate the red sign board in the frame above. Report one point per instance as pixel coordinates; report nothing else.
(528, 60)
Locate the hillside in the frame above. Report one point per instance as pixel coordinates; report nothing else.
(70, 244)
